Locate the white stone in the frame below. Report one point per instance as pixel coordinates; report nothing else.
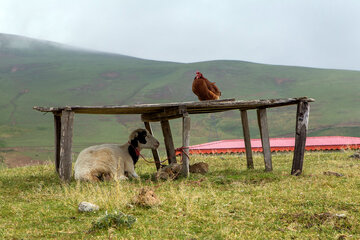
(87, 207)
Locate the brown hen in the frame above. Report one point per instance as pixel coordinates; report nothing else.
(204, 89)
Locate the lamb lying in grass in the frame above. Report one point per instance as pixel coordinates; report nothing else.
(113, 161)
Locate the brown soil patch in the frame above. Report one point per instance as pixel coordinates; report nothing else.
(15, 159)
(146, 198)
(110, 75)
(282, 80)
(199, 167)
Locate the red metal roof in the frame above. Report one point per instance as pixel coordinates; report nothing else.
(276, 144)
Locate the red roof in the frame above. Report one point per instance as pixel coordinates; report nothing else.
(276, 144)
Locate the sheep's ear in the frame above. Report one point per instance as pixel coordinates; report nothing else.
(142, 137)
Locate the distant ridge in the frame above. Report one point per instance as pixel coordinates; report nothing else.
(43, 73)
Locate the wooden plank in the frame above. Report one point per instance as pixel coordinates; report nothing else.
(155, 152)
(169, 144)
(302, 121)
(247, 139)
(166, 114)
(192, 107)
(265, 140)
(57, 128)
(65, 167)
(186, 144)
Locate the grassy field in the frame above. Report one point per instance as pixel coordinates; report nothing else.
(229, 202)
(38, 73)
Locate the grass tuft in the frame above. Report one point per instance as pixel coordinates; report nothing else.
(116, 219)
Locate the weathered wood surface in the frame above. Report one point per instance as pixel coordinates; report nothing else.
(65, 166)
(265, 140)
(57, 128)
(247, 139)
(168, 139)
(186, 143)
(155, 152)
(166, 114)
(192, 107)
(302, 121)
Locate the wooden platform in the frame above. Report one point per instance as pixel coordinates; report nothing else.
(64, 117)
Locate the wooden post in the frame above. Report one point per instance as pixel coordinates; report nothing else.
(302, 121)
(169, 144)
(65, 167)
(186, 143)
(265, 141)
(155, 152)
(57, 128)
(247, 139)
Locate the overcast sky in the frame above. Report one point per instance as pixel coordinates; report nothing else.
(314, 33)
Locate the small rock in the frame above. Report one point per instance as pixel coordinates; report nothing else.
(87, 207)
(340, 215)
(199, 167)
(333, 174)
(129, 205)
(355, 155)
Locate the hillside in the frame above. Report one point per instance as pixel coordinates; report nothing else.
(42, 73)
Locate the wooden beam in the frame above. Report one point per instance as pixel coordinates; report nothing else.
(302, 121)
(57, 128)
(265, 141)
(155, 152)
(169, 144)
(65, 166)
(166, 114)
(247, 139)
(192, 107)
(186, 143)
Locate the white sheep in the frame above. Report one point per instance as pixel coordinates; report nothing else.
(113, 161)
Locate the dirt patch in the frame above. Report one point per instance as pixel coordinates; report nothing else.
(199, 167)
(306, 220)
(15, 159)
(146, 198)
(110, 75)
(280, 81)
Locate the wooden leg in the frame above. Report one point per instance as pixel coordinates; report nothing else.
(65, 167)
(169, 144)
(247, 139)
(155, 152)
(265, 141)
(57, 127)
(186, 143)
(302, 121)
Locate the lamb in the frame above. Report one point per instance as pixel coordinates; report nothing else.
(113, 161)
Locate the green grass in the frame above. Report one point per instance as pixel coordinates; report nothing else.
(49, 75)
(229, 202)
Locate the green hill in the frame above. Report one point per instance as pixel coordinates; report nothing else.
(41, 73)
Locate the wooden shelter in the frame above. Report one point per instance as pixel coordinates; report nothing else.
(64, 117)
